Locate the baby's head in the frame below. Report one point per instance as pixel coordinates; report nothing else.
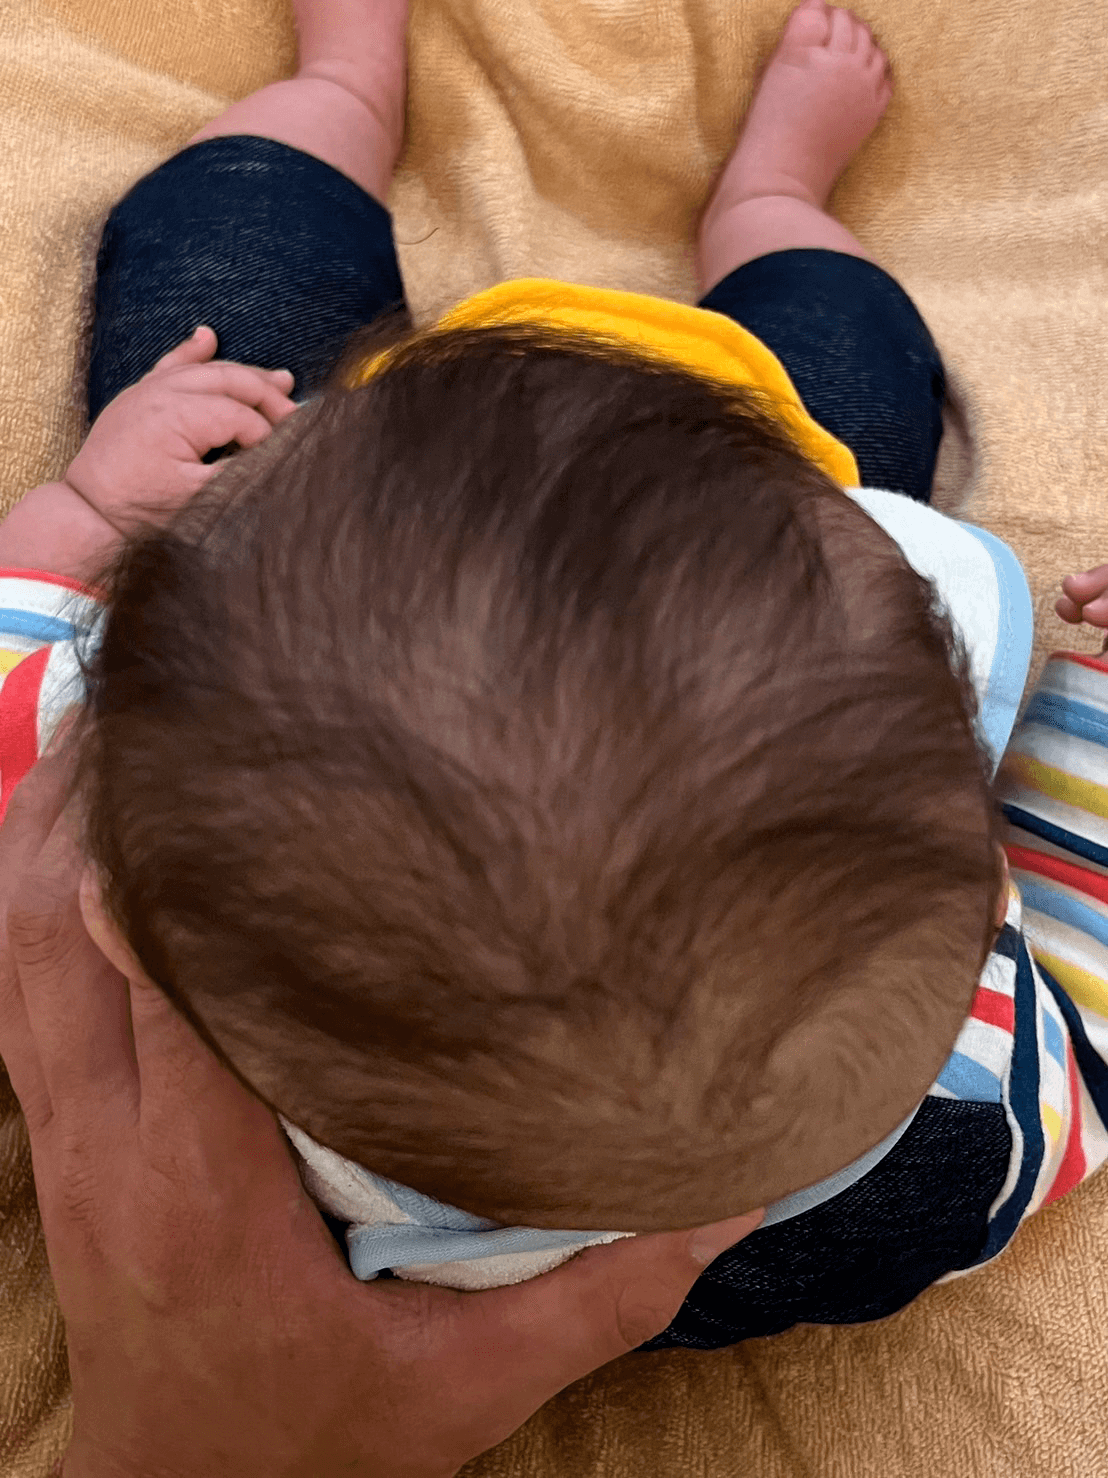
(546, 787)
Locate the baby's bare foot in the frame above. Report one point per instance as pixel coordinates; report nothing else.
(820, 97)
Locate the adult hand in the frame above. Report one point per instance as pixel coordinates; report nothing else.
(213, 1325)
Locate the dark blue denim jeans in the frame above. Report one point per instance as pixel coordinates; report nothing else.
(285, 257)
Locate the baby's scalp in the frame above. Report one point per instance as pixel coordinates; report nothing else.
(547, 788)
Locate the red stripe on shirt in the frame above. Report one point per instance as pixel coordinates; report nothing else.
(1072, 1168)
(994, 1008)
(1094, 884)
(19, 722)
(1081, 659)
(44, 578)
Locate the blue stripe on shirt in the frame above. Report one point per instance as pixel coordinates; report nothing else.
(1068, 716)
(1053, 1040)
(1066, 910)
(969, 1080)
(38, 628)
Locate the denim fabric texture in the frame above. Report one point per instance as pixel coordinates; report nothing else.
(286, 257)
(922, 1212)
(281, 254)
(861, 357)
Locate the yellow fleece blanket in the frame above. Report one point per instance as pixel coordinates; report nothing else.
(577, 139)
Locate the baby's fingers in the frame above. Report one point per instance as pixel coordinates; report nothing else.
(198, 347)
(1085, 587)
(1094, 612)
(1085, 597)
(229, 420)
(265, 390)
(1069, 610)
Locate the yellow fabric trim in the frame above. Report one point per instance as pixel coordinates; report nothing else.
(1085, 795)
(694, 338)
(1082, 986)
(10, 659)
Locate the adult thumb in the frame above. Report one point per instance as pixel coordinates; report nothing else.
(636, 1286)
(604, 1302)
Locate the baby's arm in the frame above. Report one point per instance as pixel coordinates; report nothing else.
(143, 458)
(52, 528)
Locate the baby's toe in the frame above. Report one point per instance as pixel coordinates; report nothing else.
(880, 67)
(809, 24)
(847, 32)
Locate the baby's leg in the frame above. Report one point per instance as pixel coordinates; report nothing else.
(346, 103)
(271, 225)
(821, 95)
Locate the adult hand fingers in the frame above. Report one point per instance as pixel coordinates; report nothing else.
(176, 1067)
(31, 815)
(76, 1002)
(36, 804)
(621, 1294)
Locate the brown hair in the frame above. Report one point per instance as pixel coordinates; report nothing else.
(546, 787)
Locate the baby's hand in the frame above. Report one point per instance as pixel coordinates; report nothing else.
(1085, 598)
(143, 454)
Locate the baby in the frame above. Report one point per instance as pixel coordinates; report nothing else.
(552, 770)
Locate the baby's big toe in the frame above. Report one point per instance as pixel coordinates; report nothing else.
(809, 24)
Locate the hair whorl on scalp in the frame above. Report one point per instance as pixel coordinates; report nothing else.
(546, 787)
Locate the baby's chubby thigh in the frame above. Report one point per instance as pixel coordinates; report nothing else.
(345, 105)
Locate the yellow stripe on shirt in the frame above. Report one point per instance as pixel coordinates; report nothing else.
(1082, 986)
(1086, 795)
(1052, 1122)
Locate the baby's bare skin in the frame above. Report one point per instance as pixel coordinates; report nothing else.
(346, 103)
(821, 95)
(143, 459)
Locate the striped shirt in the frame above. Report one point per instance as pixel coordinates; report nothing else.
(1055, 792)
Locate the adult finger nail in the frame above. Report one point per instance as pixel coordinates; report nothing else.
(706, 1243)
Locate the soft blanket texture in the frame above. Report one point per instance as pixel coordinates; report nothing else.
(577, 138)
